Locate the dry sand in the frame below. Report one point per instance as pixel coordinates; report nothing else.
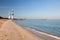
(2, 21)
(11, 31)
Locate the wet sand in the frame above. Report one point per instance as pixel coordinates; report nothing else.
(11, 31)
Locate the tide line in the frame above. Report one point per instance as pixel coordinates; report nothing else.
(47, 34)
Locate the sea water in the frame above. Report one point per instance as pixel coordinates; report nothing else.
(49, 26)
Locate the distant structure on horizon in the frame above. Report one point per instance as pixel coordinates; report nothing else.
(11, 14)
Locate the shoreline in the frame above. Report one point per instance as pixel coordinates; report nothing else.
(41, 32)
(9, 26)
(11, 31)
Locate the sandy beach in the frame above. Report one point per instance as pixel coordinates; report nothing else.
(11, 31)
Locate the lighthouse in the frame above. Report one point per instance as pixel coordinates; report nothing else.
(11, 15)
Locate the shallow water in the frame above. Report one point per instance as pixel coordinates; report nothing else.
(48, 26)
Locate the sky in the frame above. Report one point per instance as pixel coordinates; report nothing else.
(33, 9)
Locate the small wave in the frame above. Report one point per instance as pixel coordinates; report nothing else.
(47, 34)
(43, 33)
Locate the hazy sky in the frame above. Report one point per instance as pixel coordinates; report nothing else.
(31, 8)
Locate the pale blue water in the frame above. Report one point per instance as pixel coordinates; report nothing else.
(48, 26)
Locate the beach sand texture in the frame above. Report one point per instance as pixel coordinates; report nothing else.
(11, 31)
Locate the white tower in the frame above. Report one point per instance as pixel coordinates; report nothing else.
(9, 17)
(11, 14)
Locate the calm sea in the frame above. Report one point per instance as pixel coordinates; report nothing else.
(48, 26)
